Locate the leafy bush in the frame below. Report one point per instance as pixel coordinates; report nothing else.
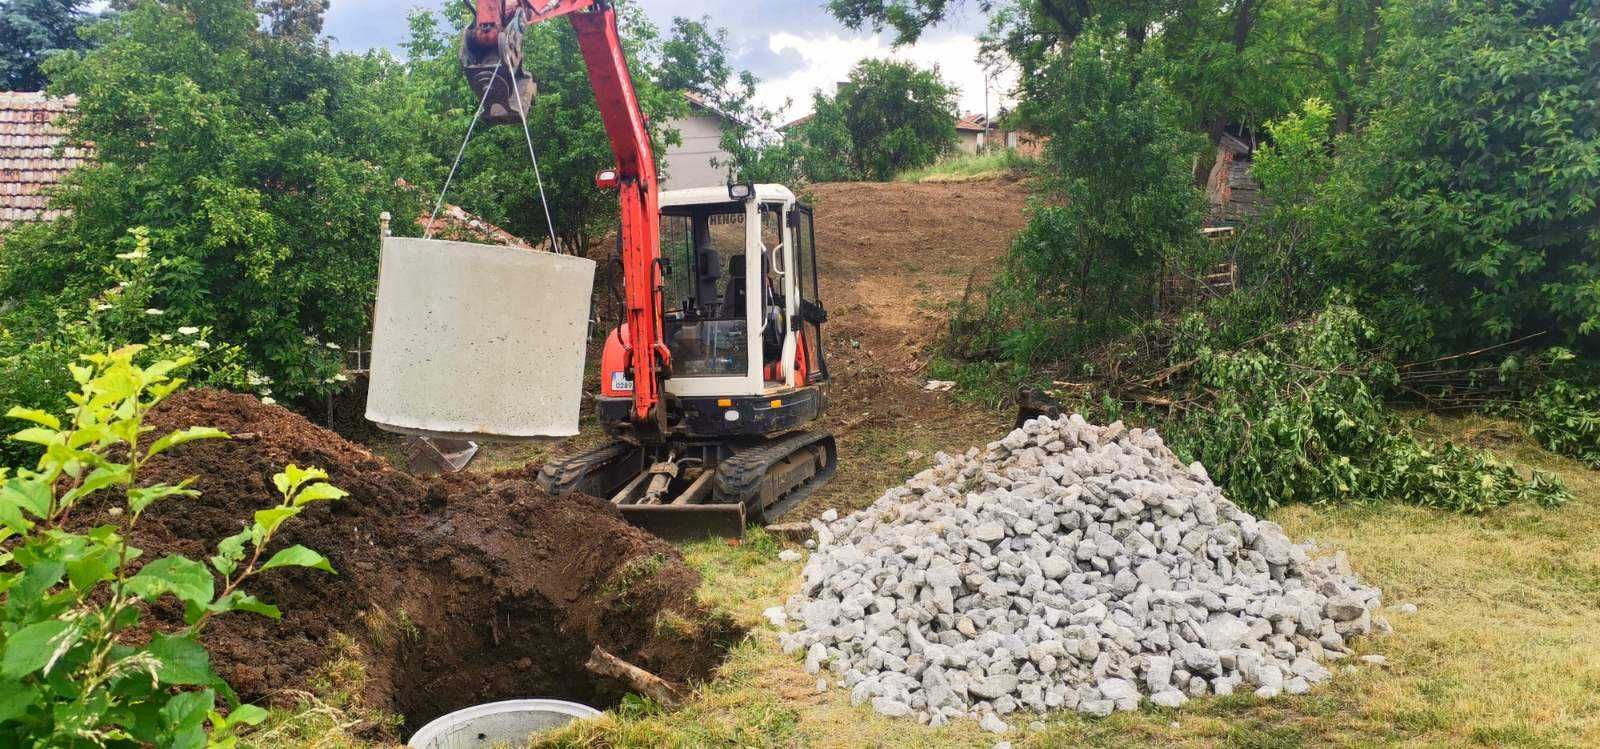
(70, 674)
(1464, 211)
(1565, 418)
(1296, 415)
(36, 363)
(1118, 210)
(260, 166)
(1557, 398)
(888, 117)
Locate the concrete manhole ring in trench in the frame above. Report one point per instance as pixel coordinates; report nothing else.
(498, 724)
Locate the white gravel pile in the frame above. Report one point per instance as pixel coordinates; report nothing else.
(1068, 566)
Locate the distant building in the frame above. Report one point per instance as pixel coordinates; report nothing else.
(700, 160)
(972, 133)
(32, 156)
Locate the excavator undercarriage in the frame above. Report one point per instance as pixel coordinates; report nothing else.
(696, 488)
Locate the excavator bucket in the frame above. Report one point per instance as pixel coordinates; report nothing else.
(496, 76)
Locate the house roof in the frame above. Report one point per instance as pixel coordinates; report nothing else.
(797, 122)
(699, 101)
(32, 157)
(972, 123)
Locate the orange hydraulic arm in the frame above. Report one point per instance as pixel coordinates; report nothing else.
(492, 58)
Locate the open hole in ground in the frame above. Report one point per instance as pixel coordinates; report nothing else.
(454, 591)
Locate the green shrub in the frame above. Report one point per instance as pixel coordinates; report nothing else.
(888, 117)
(260, 166)
(1463, 212)
(1565, 418)
(1118, 210)
(70, 674)
(35, 361)
(1297, 415)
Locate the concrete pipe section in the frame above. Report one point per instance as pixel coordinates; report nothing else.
(475, 341)
(508, 723)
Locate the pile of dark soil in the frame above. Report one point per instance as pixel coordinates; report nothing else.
(458, 591)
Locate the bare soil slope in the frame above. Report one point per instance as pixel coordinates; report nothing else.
(894, 258)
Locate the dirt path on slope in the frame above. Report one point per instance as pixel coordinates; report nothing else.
(894, 258)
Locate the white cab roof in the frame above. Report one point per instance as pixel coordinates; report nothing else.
(719, 194)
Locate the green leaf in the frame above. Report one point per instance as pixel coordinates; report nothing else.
(36, 435)
(185, 436)
(298, 556)
(241, 601)
(92, 569)
(140, 499)
(15, 699)
(229, 551)
(183, 660)
(99, 478)
(319, 492)
(270, 519)
(36, 416)
(185, 578)
(185, 717)
(11, 519)
(35, 646)
(246, 715)
(38, 577)
(293, 477)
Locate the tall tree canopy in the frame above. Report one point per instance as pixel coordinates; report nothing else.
(888, 117)
(30, 30)
(259, 166)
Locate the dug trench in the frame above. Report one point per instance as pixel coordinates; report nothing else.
(448, 593)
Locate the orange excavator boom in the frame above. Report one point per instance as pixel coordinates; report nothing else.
(491, 56)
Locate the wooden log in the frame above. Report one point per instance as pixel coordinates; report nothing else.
(602, 663)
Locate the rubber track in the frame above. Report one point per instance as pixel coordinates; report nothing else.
(563, 477)
(739, 477)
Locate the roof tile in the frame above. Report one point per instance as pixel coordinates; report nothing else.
(32, 155)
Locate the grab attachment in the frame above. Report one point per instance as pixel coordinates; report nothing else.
(491, 58)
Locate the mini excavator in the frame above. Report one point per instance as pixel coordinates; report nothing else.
(709, 382)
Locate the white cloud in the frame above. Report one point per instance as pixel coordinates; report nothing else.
(828, 59)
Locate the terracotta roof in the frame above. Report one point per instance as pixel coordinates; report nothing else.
(32, 158)
(971, 122)
(457, 224)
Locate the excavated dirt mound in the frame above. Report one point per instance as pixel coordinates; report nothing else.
(458, 591)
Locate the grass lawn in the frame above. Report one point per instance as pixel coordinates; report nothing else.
(969, 167)
(1503, 651)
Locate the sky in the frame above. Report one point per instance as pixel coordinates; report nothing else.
(793, 46)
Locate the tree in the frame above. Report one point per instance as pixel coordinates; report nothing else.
(1063, 20)
(1465, 210)
(259, 166)
(293, 19)
(887, 118)
(30, 30)
(694, 57)
(1121, 208)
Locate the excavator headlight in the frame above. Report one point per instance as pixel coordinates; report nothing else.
(741, 193)
(606, 179)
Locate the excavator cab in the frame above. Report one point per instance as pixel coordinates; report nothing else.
(743, 320)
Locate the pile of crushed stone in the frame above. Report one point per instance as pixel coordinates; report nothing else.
(1068, 566)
